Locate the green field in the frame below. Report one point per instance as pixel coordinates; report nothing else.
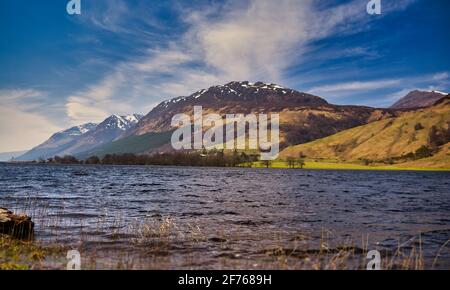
(345, 166)
(385, 140)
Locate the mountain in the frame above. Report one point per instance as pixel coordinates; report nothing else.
(57, 143)
(303, 117)
(82, 138)
(107, 131)
(7, 156)
(234, 97)
(424, 131)
(418, 99)
(133, 144)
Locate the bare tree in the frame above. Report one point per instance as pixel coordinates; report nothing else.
(301, 163)
(291, 162)
(301, 160)
(267, 163)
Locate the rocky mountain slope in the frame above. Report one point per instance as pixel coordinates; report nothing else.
(57, 143)
(303, 117)
(413, 135)
(419, 99)
(81, 138)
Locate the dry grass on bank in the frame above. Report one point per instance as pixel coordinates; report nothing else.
(165, 244)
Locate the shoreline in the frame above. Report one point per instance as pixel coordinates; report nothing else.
(169, 249)
(350, 166)
(275, 165)
(212, 224)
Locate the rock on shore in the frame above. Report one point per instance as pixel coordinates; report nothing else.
(16, 226)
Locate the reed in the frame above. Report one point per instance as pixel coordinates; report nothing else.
(113, 242)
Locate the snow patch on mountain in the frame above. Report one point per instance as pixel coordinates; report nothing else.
(120, 122)
(133, 119)
(232, 88)
(419, 99)
(438, 92)
(78, 130)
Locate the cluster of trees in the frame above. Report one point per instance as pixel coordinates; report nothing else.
(188, 158)
(290, 161)
(295, 162)
(419, 127)
(216, 159)
(439, 136)
(212, 158)
(423, 152)
(68, 159)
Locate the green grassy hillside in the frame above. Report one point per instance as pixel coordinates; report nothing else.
(133, 144)
(390, 139)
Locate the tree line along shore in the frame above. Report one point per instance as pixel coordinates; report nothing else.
(216, 158)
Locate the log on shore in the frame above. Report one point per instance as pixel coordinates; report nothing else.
(16, 226)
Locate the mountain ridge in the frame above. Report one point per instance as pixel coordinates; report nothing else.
(412, 134)
(303, 118)
(81, 138)
(419, 99)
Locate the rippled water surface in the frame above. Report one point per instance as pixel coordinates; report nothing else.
(232, 213)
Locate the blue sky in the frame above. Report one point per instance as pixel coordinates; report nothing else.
(125, 56)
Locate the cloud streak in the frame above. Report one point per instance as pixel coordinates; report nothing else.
(354, 86)
(398, 88)
(21, 127)
(235, 40)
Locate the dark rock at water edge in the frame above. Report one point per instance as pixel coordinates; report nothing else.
(16, 226)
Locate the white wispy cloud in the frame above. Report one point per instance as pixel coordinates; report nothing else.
(220, 42)
(21, 126)
(398, 87)
(354, 86)
(254, 42)
(233, 40)
(97, 102)
(441, 77)
(110, 15)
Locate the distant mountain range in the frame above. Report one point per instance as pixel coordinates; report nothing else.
(8, 156)
(82, 138)
(424, 132)
(419, 99)
(303, 118)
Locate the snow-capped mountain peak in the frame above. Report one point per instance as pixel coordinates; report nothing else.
(132, 118)
(240, 90)
(120, 122)
(419, 99)
(439, 92)
(78, 130)
(241, 87)
(83, 137)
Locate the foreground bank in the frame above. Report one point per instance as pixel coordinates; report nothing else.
(166, 217)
